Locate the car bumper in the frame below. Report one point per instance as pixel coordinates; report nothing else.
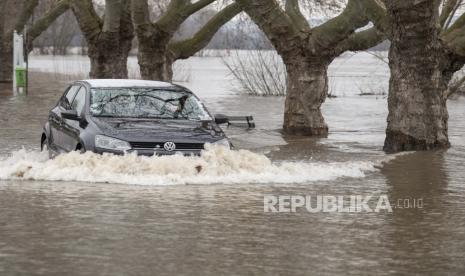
(150, 152)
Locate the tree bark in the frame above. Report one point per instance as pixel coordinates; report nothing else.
(307, 53)
(155, 60)
(426, 50)
(109, 57)
(6, 39)
(420, 73)
(6, 59)
(155, 64)
(2, 42)
(109, 40)
(157, 51)
(6, 54)
(307, 89)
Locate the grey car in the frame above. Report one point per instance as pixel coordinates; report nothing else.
(124, 116)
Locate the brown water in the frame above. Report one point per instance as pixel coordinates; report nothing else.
(81, 228)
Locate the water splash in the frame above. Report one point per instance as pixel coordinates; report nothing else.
(215, 165)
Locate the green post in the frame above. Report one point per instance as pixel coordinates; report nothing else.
(20, 77)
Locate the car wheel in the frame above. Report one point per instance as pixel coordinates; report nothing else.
(81, 148)
(45, 148)
(44, 145)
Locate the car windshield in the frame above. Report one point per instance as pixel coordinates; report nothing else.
(146, 103)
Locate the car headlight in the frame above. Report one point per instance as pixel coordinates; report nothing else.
(105, 142)
(223, 142)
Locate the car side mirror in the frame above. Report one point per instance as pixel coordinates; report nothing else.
(70, 115)
(221, 119)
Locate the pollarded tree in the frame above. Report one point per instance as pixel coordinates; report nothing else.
(426, 50)
(157, 50)
(307, 53)
(20, 21)
(109, 39)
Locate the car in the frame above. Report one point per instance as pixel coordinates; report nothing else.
(125, 116)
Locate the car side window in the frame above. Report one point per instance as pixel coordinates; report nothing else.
(79, 101)
(67, 99)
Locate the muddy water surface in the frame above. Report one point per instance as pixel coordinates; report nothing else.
(177, 223)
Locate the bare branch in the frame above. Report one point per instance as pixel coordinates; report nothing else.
(458, 24)
(197, 6)
(178, 11)
(360, 41)
(448, 8)
(456, 41)
(454, 36)
(294, 12)
(338, 28)
(112, 19)
(45, 21)
(376, 12)
(273, 21)
(89, 22)
(187, 48)
(141, 18)
(26, 14)
(260, 73)
(449, 20)
(455, 86)
(168, 17)
(126, 26)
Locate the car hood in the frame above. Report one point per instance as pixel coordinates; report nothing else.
(141, 130)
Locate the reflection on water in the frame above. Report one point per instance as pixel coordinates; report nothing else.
(81, 228)
(425, 233)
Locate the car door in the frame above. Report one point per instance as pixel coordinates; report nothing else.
(56, 121)
(72, 129)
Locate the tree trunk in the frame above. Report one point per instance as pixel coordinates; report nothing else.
(6, 53)
(307, 88)
(155, 63)
(109, 57)
(419, 77)
(2, 42)
(6, 59)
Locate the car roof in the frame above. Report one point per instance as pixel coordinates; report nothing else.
(108, 83)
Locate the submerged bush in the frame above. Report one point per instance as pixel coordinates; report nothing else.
(260, 73)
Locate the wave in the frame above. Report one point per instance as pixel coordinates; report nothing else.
(216, 165)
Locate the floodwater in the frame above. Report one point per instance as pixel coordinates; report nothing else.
(103, 215)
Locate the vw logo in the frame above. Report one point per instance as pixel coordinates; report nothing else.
(169, 146)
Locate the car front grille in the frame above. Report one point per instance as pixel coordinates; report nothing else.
(159, 145)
